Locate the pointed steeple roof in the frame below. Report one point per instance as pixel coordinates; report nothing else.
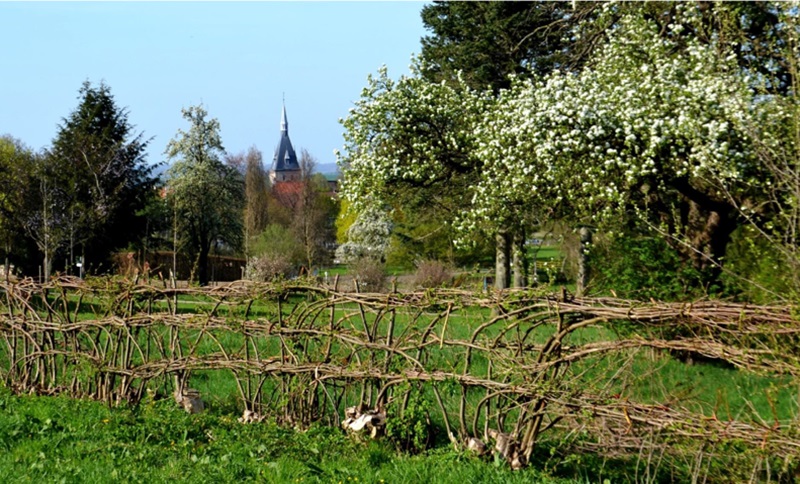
(285, 158)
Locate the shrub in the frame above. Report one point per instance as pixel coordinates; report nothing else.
(370, 273)
(410, 428)
(756, 270)
(125, 263)
(277, 241)
(644, 268)
(268, 267)
(433, 273)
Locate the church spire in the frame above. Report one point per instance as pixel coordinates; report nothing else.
(284, 163)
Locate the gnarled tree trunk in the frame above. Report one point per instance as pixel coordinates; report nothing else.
(502, 272)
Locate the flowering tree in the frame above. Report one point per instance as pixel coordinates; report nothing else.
(410, 143)
(666, 127)
(206, 194)
(409, 133)
(652, 129)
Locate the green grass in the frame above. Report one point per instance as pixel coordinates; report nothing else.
(342, 269)
(546, 253)
(58, 439)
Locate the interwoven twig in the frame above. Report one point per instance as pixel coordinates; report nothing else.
(509, 361)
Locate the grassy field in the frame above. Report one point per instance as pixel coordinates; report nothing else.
(59, 439)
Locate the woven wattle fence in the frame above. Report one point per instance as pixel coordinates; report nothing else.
(515, 364)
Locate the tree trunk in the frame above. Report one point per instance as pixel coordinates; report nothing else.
(175, 246)
(48, 265)
(708, 224)
(583, 260)
(7, 263)
(520, 262)
(202, 263)
(709, 233)
(502, 262)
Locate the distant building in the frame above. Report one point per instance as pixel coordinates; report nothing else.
(286, 174)
(285, 167)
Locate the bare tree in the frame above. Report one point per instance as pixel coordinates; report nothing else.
(256, 212)
(313, 212)
(45, 218)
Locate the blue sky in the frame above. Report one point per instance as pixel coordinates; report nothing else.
(238, 59)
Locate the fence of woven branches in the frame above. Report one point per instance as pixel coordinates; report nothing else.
(504, 370)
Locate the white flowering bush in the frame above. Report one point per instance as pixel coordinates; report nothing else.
(368, 237)
(268, 267)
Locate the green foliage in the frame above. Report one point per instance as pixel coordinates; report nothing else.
(344, 220)
(16, 164)
(643, 268)
(157, 234)
(277, 240)
(489, 41)
(409, 428)
(426, 232)
(276, 253)
(757, 270)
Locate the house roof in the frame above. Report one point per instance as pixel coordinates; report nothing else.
(288, 188)
(285, 159)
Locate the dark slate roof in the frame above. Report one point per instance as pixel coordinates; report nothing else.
(285, 159)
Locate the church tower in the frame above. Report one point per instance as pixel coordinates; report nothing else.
(285, 167)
